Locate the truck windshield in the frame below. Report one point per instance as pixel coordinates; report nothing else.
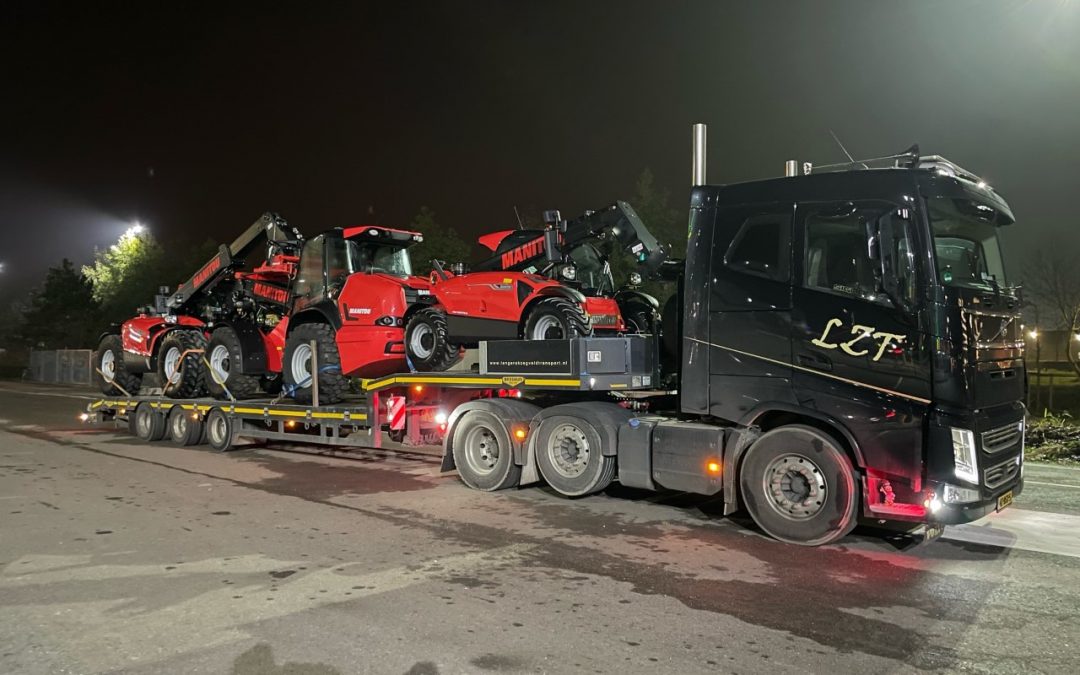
(370, 257)
(593, 272)
(966, 243)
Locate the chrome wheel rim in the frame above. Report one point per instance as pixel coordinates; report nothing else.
(142, 422)
(179, 426)
(217, 429)
(219, 362)
(422, 341)
(568, 449)
(482, 450)
(172, 365)
(301, 365)
(548, 328)
(795, 487)
(108, 366)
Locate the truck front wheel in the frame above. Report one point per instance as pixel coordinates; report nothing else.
(570, 455)
(799, 486)
(483, 453)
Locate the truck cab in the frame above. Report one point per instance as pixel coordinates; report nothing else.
(872, 306)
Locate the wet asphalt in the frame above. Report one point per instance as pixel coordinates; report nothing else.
(119, 556)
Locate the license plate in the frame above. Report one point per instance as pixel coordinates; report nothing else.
(933, 532)
(1005, 500)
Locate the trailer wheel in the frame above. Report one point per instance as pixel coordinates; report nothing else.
(799, 486)
(570, 455)
(184, 427)
(114, 376)
(556, 319)
(297, 364)
(427, 341)
(219, 430)
(222, 353)
(149, 423)
(180, 365)
(483, 452)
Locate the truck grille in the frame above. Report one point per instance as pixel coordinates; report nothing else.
(1001, 473)
(1002, 438)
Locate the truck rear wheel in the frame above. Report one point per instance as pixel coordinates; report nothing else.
(570, 455)
(184, 427)
(149, 423)
(219, 430)
(799, 486)
(180, 365)
(297, 364)
(483, 452)
(427, 342)
(556, 319)
(223, 353)
(114, 378)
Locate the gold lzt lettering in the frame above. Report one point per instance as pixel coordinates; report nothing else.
(860, 333)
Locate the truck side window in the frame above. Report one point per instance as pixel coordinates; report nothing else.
(762, 246)
(837, 255)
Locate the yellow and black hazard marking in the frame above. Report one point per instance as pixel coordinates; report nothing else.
(268, 411)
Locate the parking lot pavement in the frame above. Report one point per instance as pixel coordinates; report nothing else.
(119, 556)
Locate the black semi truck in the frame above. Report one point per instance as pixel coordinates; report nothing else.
(842, 345)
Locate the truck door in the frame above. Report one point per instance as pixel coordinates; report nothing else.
(859, 355)
(750, 308)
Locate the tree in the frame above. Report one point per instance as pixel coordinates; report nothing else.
(440, 242)
(64, 313)
(1053, 281)
(667, 224)
(126, 275)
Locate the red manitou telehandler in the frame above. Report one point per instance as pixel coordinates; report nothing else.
(170, 337)
(549, 284)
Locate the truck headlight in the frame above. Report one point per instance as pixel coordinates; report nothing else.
(965, 459)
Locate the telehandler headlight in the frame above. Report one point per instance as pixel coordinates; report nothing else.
(569, 272)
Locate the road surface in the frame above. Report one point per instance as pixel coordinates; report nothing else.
(119, 556)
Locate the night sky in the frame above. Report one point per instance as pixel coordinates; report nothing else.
(195, 121)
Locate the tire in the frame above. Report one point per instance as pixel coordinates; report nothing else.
(641, 319)
(483, 452)
(427, 343)
(184, 427)
(556, 319)
(149, 423)
(270, 384)
(222, 352)
(114, 377)
(297, 364)
(569, 452)
(180, 364)
(799, 486)
(219, 430)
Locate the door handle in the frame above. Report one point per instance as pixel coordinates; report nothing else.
(815, 361)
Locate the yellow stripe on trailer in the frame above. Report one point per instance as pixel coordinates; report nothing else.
(486, 381)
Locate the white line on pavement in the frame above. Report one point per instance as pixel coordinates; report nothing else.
(1054, 533)
(1028, 481)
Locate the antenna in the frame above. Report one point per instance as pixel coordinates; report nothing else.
(521, 225)
(842, 148)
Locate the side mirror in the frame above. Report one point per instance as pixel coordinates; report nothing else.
(882, 249)
(551, 245)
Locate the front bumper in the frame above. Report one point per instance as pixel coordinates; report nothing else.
(957, 514)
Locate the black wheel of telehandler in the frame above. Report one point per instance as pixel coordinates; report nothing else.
(223, 352)
(641, 319)
(569, 453)
(296, 364)
(114, 378)
(149, 423)
(180, 365)
(427, 342)
(556, 319)
(185, 427)
(799, 486)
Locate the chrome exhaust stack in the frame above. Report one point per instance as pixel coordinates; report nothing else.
(697, 147)
(791, 168)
